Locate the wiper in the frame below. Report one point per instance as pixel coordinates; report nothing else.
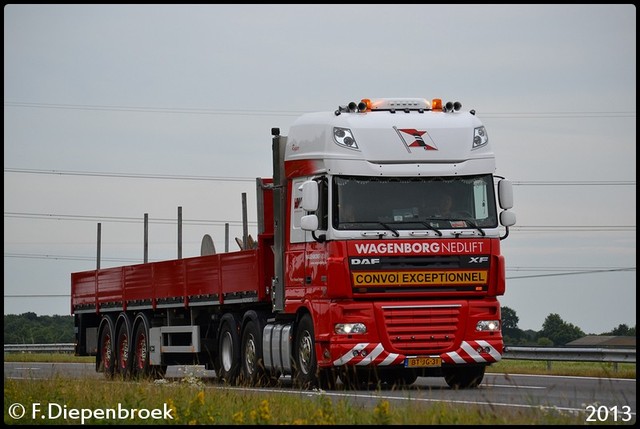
(386, 226)
(394, 231)
(475, 225)
(431, 227)
(468, 222)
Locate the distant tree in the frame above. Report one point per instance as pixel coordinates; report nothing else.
(623, 330)
(544, 342)
(559, 331)
(512, 335)
(509, 318)
(29, 328)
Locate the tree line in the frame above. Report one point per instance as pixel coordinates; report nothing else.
(29, 328)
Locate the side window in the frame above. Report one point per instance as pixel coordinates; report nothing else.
(480, 199)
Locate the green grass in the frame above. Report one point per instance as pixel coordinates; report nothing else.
(578, 369)
(47, 357)
(192, 402)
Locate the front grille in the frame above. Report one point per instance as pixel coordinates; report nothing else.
(421, 329)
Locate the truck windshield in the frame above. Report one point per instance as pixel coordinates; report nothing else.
(410, 203)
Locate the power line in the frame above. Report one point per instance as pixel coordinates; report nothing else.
(253, 179)
(179, 110)
(128, 175)
(262, 112)
(573, 273)
(121, 219)
(575, 183)
(66, 258)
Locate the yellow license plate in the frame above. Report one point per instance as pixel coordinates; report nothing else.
(422, 362)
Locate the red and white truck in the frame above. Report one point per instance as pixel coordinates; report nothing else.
(377, 259)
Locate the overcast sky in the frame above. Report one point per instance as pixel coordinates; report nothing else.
(114, 111)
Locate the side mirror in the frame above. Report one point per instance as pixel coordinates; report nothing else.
(505, 194)
(507, 218)
(309, 222)
(310, 196)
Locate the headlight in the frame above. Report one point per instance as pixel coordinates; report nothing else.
(350, 328)
(480, 137)
(344, 138)
(488, 326)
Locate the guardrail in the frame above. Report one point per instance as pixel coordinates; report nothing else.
(40, 348)
(575, 354)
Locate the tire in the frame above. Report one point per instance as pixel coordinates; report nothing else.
(464, 377)
(140, 363)
(107, 348)
(305, 360)
(124, 350)
(252, 370)
(229, 353)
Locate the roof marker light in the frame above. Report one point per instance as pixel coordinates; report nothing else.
(398, 104)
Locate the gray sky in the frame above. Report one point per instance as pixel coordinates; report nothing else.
(185, 98)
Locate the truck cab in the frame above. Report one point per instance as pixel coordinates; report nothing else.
(391, 244)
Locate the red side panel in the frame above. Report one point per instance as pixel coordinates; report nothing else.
(214, 279)
(203, 275)
(169, 279)
(110, 286)
(239, 274)
(138, 278)
(83, 290)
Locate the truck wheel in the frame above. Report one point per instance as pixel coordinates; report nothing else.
(229, 351)
(305, 361)
(140, 364)
(464, 377)
(252, 370)
(124, 351)
(107, 348)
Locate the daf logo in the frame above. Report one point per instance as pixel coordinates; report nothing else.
(478, 259)
(365, 261)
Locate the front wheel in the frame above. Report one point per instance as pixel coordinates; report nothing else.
(306, 363)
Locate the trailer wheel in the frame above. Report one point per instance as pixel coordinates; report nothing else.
(305, 361)
(464, 377)
(141, 367)
(252, 370)
(107, 348)
(124, 351)
(229, 352)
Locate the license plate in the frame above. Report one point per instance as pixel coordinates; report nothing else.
(422, 362)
